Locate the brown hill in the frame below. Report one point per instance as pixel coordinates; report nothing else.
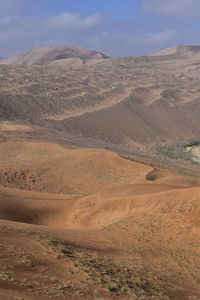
(66, 62)
(46, 55)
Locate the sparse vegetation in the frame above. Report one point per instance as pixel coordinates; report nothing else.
(85, 223)
(115, 278)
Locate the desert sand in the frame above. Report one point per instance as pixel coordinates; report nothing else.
(86, 223)
(99, 198)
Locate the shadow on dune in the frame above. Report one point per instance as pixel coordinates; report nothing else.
(20, 212)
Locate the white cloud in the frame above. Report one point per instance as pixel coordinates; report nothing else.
(72, 21)
(21, 33)
(177, 8)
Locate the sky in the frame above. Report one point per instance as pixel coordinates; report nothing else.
(114, 27)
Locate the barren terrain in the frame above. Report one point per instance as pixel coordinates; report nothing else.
(79, 221)
(106, 227)
(146, 106)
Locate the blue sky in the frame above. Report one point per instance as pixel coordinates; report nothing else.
(113, 8)
(115, 27)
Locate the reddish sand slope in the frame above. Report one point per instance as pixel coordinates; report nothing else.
(48, 167)
(112, 234)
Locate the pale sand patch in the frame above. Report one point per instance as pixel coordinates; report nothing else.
(196, 153)
(8, 126)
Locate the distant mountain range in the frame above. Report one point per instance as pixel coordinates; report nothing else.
(62, 56)
(48, 55)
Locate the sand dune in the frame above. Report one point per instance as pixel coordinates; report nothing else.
(116, 187)
(32, 207)
(134, 218)
(48, 167)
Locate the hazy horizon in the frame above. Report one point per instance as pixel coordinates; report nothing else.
(133, 29)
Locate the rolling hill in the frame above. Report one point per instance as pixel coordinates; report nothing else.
(156, 101)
